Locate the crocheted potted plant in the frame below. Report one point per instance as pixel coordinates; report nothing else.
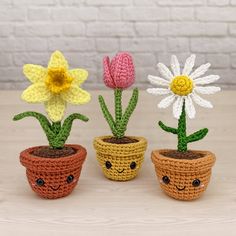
(53, 171)
(184, 174)
(119, 156)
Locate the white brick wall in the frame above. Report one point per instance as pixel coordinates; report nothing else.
(86, 30)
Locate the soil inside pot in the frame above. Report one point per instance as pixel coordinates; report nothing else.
(124, 140)
(189, 155)
(48, 152)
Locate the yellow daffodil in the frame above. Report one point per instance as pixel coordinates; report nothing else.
(55, 85)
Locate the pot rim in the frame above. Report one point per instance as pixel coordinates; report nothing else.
(140, 140)
(37, 163)
(120, 149)
(183, 165)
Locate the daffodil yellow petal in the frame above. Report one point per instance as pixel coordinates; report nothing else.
(36, 93)
(34, 73)
(76, 95)
(57, 60)
(79, 75)
(55, 108)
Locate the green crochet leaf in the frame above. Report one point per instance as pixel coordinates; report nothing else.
(200, 134)
(56, 134)
(183, 139)
(56, 127)
(167, 128)
(63, 134)
(107, 115)
(119, 125)
(122, 125)
(45, 124)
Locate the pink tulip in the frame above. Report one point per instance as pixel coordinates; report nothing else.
(119, 73)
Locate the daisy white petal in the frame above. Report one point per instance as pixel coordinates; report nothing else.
(177, 107)
(157, 80)
(207, 89)
(189, 65)
(158, 91)
(200, 101)
(164, 103)
(189, 107)
(201, 70)
(207, 79)
(175, 65)
(165, 72)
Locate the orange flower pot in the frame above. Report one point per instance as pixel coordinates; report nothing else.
(183, 179)
(53, 177)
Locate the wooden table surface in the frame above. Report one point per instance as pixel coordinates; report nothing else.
(102, 207)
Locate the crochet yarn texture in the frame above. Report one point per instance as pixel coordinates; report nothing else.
(118, 125)
(182, 89)
(182, 173)
(58, 176)
(56, 133)
(124, 160)
(183, 139)
(120, 72)
(119, 75)
(55, 86)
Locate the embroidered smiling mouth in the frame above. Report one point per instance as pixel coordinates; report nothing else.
(55, 189)
(120, 171)
(180, 189)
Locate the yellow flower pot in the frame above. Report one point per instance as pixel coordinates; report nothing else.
(120, 162)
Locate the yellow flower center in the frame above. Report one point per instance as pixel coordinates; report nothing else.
(181, 85)
(58, 80)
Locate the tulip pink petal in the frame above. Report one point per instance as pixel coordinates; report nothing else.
(107, 78)
(122, 70)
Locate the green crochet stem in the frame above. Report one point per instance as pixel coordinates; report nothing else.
(118, 104)
(56, 133)
(118, 125)
(183, 139)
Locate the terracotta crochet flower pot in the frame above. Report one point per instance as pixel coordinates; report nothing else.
(53, 177)
(120, 162)
(183, 179)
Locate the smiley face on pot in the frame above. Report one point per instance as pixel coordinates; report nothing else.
(121, 170)
(53, 186)
(183, 187)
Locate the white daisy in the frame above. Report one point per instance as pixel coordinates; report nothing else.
(183, 86)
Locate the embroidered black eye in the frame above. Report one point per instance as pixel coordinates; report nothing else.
(133, 165)
(196, 183)
(40, 182)
(165, 179)
(69, 179)
(108, 164)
